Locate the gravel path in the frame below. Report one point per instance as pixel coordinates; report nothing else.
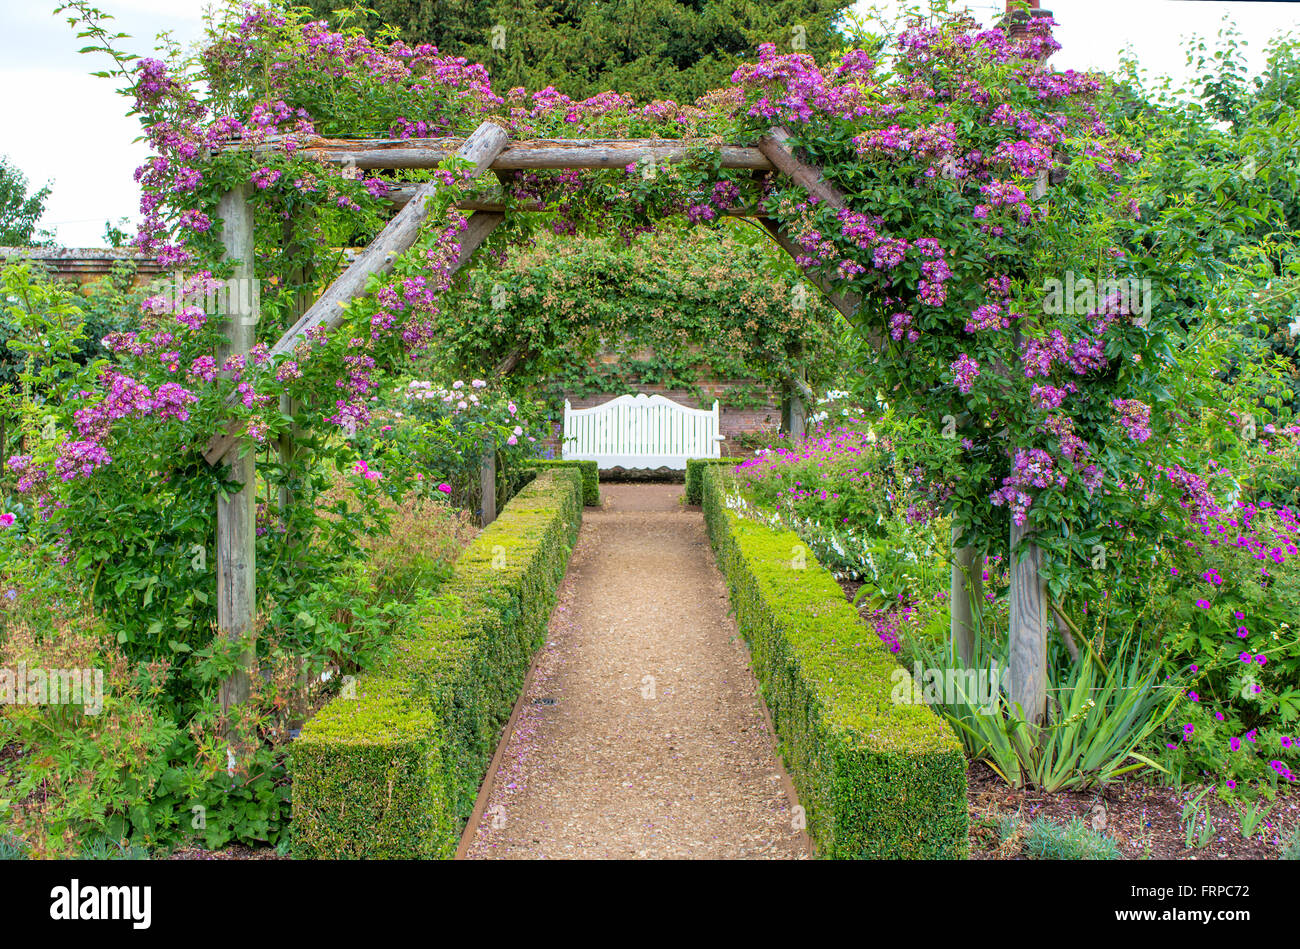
(641, 734)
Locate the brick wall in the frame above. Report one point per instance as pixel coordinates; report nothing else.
(84, 264)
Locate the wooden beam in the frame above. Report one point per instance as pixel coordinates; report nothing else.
(532, 154)
(398, 236)
(378, 258)
(775, 147)
(846, 303)
(236, 513)
(480, 226)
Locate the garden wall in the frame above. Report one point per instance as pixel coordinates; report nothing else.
(85, 264)
(393, 771)
(876, 779)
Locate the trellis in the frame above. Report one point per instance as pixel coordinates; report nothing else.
(489, 148)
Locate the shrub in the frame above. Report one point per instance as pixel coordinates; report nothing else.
(424, 538)
(393, 771)
(1099, 717)
(590, 475)
(877, 779)
(695, 472)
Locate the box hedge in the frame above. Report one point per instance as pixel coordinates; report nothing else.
(694, 475)
(394, 771)
(877, 779)
(590, 475)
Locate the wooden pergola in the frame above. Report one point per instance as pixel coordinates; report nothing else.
(489, 148)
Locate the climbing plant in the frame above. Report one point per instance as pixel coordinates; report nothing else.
(678, 309)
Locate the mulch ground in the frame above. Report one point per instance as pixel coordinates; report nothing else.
(234, 852)
(1144, 819)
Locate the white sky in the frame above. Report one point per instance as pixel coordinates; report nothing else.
(60, 124)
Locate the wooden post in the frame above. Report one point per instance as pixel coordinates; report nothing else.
(794, 413)
(965, 596)
(1028, 627)
(236, 513)
(487, 480)
(795, 399)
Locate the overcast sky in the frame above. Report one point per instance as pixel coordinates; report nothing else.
(62, 125)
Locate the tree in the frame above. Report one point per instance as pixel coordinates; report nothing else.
(19, 211)
(648, 49)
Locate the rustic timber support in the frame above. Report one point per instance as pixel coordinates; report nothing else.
(516, 156)
(1027, 619)
(1028, 627)
(487, 481)
(398, 236)
(236, 513)
(775, 147)
(846, 303)
(795, 400)
(794, 413)
(965, 597)
(400, 195)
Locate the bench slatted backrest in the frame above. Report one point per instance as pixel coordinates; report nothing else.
(640, 431)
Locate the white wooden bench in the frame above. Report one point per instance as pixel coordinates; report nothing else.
(640, 431)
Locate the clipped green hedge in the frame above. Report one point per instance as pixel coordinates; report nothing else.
(590, 475)
(393, 772)
(877, 779)
(694, 476)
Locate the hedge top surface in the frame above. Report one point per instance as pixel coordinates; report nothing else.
(383, 714)
(852, 672)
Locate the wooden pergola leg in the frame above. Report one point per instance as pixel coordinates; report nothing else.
(964, 598)
(236, 513)
(1027, 634)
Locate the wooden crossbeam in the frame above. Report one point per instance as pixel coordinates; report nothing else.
(401, 194)
(517, 155)
(398, 236)
(775, 146)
